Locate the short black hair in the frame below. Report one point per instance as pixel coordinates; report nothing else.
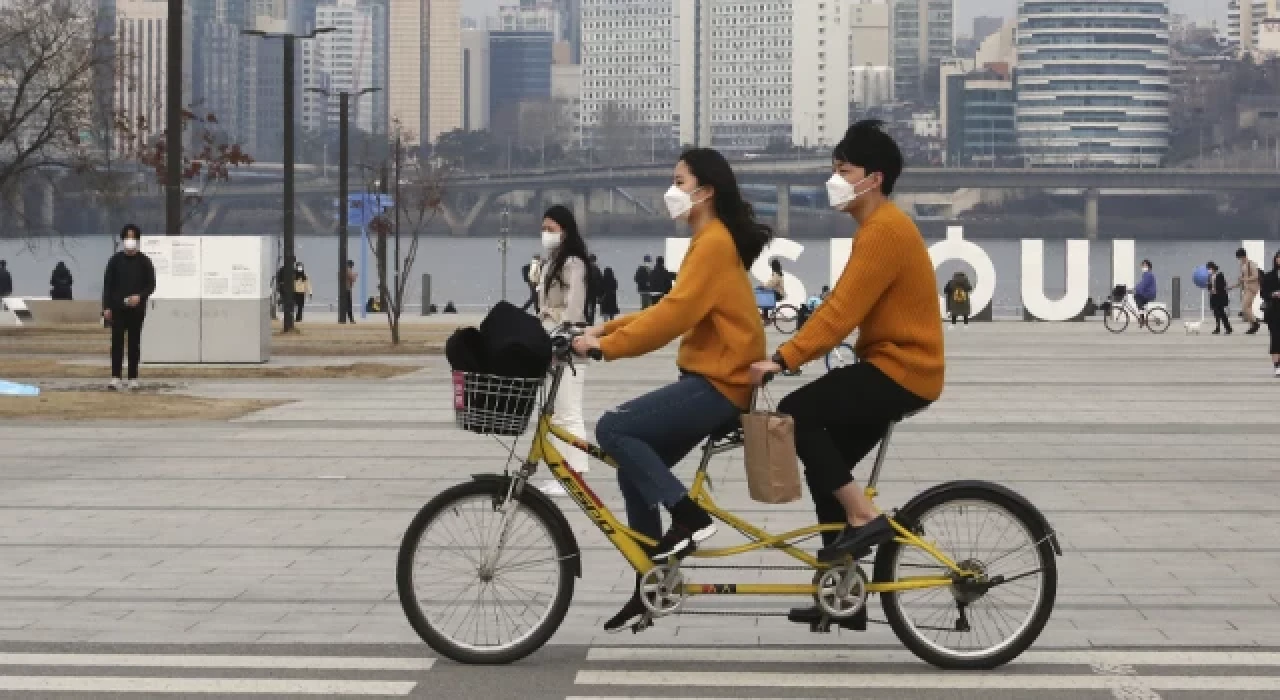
(1212, 265)
(1242, 253)
(130, 228)
(351, 263)
(868, 146)
(1148, 264)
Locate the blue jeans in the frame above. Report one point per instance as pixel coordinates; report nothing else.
(649, 435)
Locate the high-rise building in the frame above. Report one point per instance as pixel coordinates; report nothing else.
(978, 117)
(529, 16)
(346, 60)
(266, 91)
(1244, 21)
(630, 57)
(219, 64)
(475, 79)
(923, 35)
(870, 63)
(1093, 82)
(519, 71)
(984, 27)
(424, 75)
(141, 36)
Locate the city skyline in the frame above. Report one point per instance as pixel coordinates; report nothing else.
(966, 10)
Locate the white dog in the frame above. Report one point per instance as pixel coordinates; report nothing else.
(1192, 327)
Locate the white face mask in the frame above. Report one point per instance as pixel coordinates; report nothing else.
(551, 240)
(679, 202)
(1146, 269)
(840, 193)
(130, 244)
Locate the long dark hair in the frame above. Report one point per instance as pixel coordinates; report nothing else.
(1275, 261)
(712, 170)
(571, 246)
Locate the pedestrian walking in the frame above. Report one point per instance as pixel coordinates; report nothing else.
(958, 292)
(532, 274)
(563, 299)
(660, 281)
(60, 282)
(6, 280)
(777, 281)
(130, 279)
(1269, 286)
(1218, 299)
(609, 295)
(595, 283)
(642, 280)
(1249, 285)
(301, 290)
(345, 311)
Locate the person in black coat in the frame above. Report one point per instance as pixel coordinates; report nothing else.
(1218, 299)
(6, 281)
(609, 295)
(60, 282)
(595, 288)
(129, 281)
(1271, 308)
(660, 280)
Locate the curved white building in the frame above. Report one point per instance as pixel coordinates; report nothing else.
(1093, 82)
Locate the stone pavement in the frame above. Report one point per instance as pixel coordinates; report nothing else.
(1155, 457)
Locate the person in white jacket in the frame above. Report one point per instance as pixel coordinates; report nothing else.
(562, 298)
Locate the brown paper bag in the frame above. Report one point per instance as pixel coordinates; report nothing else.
(773, 474)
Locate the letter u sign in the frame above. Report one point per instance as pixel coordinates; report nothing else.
(955, 247)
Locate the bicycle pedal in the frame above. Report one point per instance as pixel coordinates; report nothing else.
(823, 626)
(642, 624)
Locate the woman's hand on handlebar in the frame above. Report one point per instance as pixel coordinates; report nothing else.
(593, 332)
(587, 345)
(763, 371)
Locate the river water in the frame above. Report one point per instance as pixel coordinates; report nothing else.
(468, 271)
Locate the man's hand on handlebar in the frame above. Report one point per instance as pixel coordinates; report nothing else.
(587, 345)
(763, 371)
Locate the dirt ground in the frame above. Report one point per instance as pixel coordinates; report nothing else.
(105, 405)
(310, 339)
(48, 368)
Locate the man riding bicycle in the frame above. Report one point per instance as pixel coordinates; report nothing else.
(888, 292)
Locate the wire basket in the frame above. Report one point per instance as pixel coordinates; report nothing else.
(492, 405)
(1119, 293)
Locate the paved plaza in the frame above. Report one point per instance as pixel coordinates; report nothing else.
(257, 557)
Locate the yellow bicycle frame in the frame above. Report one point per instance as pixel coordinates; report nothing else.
(629, 542)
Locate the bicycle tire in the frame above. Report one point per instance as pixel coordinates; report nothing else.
(843, 356)
(1116, 320)
(888, 554)
(1158, 321)
(786, 318)
(420, 622)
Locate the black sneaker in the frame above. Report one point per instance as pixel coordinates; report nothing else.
(1253, 329)
(813, 615)
(629, 615)
(858, 541)
(690, 525)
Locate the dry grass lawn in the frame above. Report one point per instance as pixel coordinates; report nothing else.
(310, 339)
(104, 405)
(42, 368)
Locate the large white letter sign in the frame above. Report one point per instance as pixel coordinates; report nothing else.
(1256, 252)
(955, 247)
(1123, 264)
(1071, 305)
(787, 249)
(677, 248)
(841, 249)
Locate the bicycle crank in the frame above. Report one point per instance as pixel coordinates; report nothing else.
(842, 591)
(662, 590)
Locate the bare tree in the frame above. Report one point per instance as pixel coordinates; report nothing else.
(620, 136)
(419, 197)
(50, 54)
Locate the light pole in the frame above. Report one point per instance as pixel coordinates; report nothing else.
(173, 123)
(289, 40)
(503, 244)
(344, 158)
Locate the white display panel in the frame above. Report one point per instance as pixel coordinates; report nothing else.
(177, 263)
(232, 267)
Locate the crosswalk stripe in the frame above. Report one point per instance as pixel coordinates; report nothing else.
(310, 663)
(228, 686)
(870, 656)
(916, 681)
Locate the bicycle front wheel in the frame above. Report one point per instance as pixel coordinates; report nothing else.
(1116, 320)
(978, 623)
(481, 587)
(786, 318)
(1157, 321)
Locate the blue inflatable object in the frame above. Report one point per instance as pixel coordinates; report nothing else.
(1200, 276)
(12, 389)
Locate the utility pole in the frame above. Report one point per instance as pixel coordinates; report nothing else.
(289, 42)
(173, 124)
(503, 244)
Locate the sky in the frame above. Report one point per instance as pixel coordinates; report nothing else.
(966, 10)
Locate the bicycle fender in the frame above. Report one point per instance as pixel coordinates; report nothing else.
(533, 494)
(1045, 529)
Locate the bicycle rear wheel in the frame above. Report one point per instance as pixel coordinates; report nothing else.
(786, 318)
(1116, 320)
(1157, 321)
(480, 588)
(979, 623)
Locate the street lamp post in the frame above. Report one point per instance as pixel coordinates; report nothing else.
(344, 159)
(173, 123)
(289, 40)
(503, 244)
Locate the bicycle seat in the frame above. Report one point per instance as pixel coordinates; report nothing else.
(731, 429)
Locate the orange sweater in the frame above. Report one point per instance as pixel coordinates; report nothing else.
(713, 306)
(888, 289)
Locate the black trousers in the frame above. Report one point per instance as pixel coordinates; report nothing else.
(299, 300)
(126, 321)
(345, 311)
(839, 418)
(1221, 318)
(1273, 325)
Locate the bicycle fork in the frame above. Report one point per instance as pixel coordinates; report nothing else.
(489, 559)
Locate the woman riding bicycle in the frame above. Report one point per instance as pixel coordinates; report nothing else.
(712, 307)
